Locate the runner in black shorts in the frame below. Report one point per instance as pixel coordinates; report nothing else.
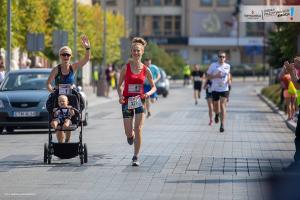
(219, 74)
(197, 76)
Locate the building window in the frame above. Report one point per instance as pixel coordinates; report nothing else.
(168, 25)
(157, 25)
(255, 29)
(206, 2)
(223, 3)
(177, 2)
(111, 2)
(156, 2)
(146, 2)
(177, 26)
(211, 55)
(168, 2)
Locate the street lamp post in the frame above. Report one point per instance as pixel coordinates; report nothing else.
(79, 74)
(8, 33)
(101, 85)
(75, 30)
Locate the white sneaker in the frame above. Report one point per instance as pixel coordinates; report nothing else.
(135, 161)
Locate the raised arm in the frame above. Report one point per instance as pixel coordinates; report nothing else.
(86, 44)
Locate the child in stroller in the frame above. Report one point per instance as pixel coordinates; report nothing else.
(62, 118)
(65, 115)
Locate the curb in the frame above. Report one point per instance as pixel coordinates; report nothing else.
(290, 124)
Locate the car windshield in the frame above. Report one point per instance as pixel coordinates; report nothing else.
(25, 81)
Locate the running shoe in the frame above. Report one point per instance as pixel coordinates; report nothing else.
(135, 161)
(130, 140)
(148, 115)
(222, 128)
(196, 102)
(217, 118)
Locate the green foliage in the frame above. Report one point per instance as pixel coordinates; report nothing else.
(273, 92)
(173, 64)
(2, 23)
(282, 45)
(60, 17)
(30, 16)
(46, 16)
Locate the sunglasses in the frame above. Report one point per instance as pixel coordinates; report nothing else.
(221, 56)
(65, 55)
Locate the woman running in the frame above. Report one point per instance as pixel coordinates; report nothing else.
(132, 96)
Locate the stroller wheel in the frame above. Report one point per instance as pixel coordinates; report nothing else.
(81, 159)
(45, 153)
(85, 151)
(49, 159)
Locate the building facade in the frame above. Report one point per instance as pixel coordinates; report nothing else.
(195, 29)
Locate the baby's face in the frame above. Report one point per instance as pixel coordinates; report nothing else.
(62, 102)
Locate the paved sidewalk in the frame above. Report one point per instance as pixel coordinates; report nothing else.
(181, 157)
(94, 100)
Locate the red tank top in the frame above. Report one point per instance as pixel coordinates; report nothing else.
(134, 83)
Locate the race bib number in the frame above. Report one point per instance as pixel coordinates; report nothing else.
(65, 89)
(197, 78)
(134, 88)
(209, 90)
(221, 84)
(134, 102)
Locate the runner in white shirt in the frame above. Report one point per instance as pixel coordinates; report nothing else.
(218, 73)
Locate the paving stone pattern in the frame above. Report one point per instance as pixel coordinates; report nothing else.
(181, 157)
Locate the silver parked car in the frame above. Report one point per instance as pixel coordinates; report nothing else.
(163, 84)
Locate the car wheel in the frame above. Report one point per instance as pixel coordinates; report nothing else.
(9, 129)
(1, 130)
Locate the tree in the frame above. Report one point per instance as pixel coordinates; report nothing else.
(30, 16)
(60, 17)
(173, 64)
(115, 31)
(282, 45)
(3, 23)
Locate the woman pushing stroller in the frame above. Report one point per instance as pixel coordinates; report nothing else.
(64, 74)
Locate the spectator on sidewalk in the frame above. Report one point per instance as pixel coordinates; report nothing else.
(289, 93)
(109, 73)
(292, 70)
(2, 69)
(186, 75)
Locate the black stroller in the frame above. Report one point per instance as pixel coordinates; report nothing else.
(70, 149)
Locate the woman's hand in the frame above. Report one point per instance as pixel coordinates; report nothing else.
(122, 100)
(289, 67)
(85, 42)
(145, 96)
